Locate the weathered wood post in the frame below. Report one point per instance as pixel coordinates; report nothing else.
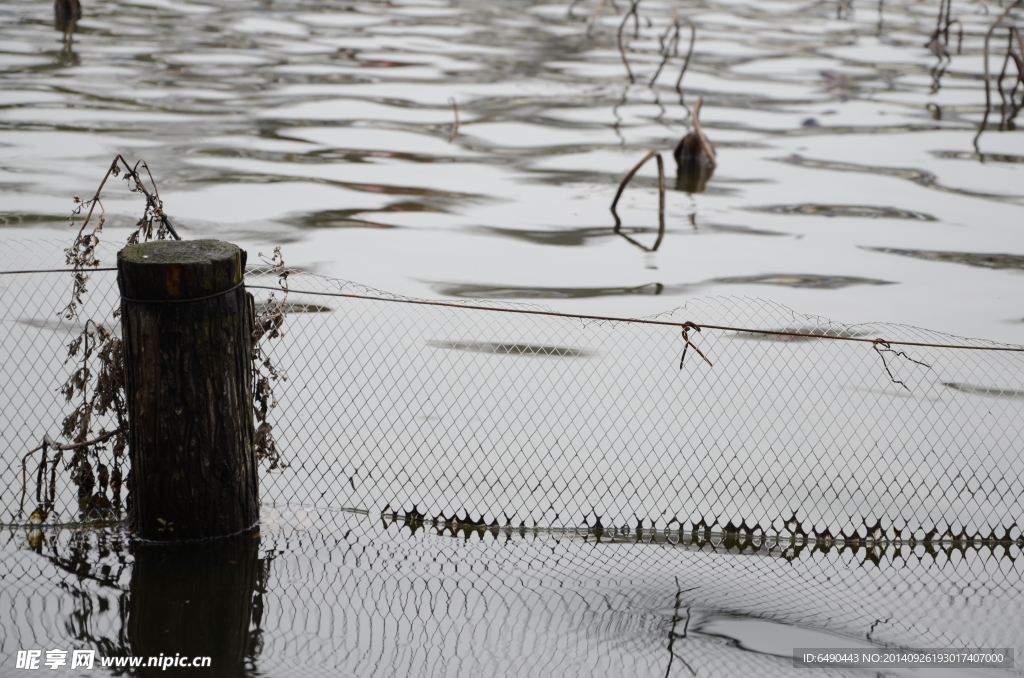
(187, 330)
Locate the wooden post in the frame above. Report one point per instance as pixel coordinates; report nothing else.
(187, 330)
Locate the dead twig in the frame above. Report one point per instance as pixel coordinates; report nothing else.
(268, 326)
(671, 48)
(988, 84)
(686, 338)
(49, 444)
(672, 633)
(99, 392)
(82, 253)
(1009, 98)
(102, 394)
(622, 49)
(661, 200)
(882, 347)
(938, 43)
(686, 62)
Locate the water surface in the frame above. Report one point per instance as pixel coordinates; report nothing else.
(331, 126)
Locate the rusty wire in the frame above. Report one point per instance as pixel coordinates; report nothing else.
(643, 321)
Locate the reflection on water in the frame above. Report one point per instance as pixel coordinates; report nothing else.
(795, 280)
(861, 211)
(970, 258)
(984, 157)
(820, 282)
(123, 597)
(328, 125)
(469, 291)
(331, 126)
(324, 593)
(918, 176)
(989, 391)
(196, 599)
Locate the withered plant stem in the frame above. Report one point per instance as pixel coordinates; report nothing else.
(673, 43)
(661, 200)
(60, 447)
(133, 173)
(622, 49)
(704, 143)
(988, 84)
(686, 61)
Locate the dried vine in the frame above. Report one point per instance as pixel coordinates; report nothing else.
(96, 386)
(268, 326)
(81, 256)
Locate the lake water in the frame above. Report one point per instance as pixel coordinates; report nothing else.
(336, 593)
(847, 186)
(328, 126)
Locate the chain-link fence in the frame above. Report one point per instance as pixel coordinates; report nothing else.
(734, 415)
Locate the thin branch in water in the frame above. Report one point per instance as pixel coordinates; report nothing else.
(661, 200)
(622, 49)
(959, 36)
(1009, 98)
(988, 84)
(670, 47)
(938, 43)
(1002, 75)
(686, 62)
(944, 8)
(666, 49)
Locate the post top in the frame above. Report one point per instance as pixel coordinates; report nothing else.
(164, 270)
(178, 252)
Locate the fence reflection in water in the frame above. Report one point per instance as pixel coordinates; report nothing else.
(340, 593)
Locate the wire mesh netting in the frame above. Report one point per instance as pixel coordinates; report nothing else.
(734, 415)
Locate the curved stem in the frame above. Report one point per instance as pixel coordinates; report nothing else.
(661, 200)
(708, 149)
(686, 61)
(622, 49)
(988, 84)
